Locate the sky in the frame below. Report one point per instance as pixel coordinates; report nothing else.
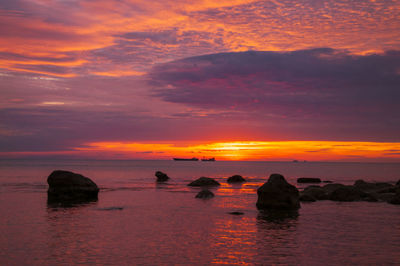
(235, 80)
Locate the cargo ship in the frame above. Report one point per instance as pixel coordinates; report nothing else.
(186, 159)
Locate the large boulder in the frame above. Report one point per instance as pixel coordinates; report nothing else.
(161, 177)
(204, 181)
(236, 179)
(308, 180)
(205, 194)
(69, 186)
(277, 193)
(329, 188)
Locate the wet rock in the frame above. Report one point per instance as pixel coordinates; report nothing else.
(316, 192)
(351, 193)
(205, 194)
(386, 197)
(367, 186)
(236, 179)
(204, 181)
(161, 177)
(308, 180)
(329, 188)
(69, 186)
(307, 198)
(396, 197)
(277, 193)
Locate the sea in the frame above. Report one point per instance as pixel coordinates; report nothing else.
(137, 221)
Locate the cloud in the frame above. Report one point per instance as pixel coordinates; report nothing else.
(313, 88)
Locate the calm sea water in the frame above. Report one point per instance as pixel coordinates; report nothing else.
(138, 222)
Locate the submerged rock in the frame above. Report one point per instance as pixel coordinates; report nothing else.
(236, 179)
(236, 213)
(205, 194)
(161, 177)
(308, 180)
(204, 181)
(69, 186)
(277, 193)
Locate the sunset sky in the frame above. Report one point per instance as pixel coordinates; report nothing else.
(235, 80)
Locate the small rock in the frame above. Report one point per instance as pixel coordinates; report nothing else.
(236, 179)
(161, 177)
(205, 194)
(277, 193)
(204, 181)
(308, 180)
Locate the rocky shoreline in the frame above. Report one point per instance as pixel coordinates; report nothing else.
(275, 194)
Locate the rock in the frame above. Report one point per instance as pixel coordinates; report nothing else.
(307, 198)
(204, 181)
(327, 181)
(205, 194)
(329, 188)
(398, 183)
(236, 179)
(395, 200)
(276, 193)
(367, 186)
(161, 177)
(308, 180)
(316, 192)
(236, 213)
(69, 186)
(351, 193)
(385, 196)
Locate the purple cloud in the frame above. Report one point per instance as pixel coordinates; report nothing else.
(309, 87)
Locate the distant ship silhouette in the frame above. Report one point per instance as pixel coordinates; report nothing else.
(186, 159)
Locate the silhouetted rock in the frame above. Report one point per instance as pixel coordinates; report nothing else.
(236, 179)
(276, 193)
(350, 193)
(204, 181)
(327, 181)
(329, 188)
(367, 186)
(396, 197)
(316, 192)
(205, 194)
(236, 213)
(307, 198)
(308, 180)
(69, 186)
(161, 177)
(398, 183)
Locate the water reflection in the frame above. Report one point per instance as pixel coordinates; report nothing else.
(55, 203)
(277, 237)
(283, 217)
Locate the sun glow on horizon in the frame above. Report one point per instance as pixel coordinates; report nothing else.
(252, 150)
